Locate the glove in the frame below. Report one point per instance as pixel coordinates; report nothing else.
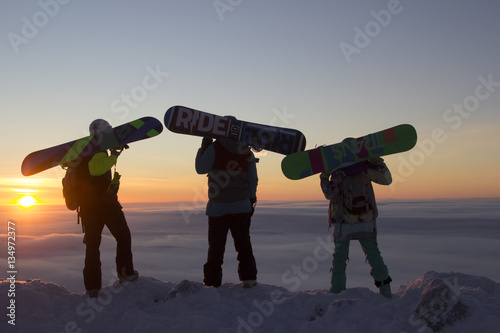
(114, 185)
(253, 203)
(325, 174)
(205, 143)
(115, 152)
(118, 150)
(376, 162)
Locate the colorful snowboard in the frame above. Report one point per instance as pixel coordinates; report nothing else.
(136, 130)
(390, 141)
(183, 120)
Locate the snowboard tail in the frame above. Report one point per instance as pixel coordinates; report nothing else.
(393, 140)
(183, 120)
(136, 130)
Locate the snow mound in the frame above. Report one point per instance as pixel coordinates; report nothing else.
(444, 302)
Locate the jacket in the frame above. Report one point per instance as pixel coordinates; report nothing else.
(348, 225)
(94, 179)
(232, 177)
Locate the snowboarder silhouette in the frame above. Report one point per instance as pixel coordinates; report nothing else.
(352, 213)
(232, 187)
(99, 207)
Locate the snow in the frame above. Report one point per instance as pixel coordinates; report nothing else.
(151, 305)
(442, 256)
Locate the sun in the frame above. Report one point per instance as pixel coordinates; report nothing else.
(26, 201)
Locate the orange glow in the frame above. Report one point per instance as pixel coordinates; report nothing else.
(25, 197)
(29, 192)
(27, 201)
(440, 175)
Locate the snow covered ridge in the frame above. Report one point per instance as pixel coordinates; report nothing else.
(444, 302)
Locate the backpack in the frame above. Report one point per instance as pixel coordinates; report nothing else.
(358, 199)
(70, 189)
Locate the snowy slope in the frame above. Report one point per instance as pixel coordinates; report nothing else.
(449, 302)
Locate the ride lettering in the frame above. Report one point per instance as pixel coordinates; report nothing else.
(199, 123)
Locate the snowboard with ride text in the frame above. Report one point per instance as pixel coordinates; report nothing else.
(183, 120)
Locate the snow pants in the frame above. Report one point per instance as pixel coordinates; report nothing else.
(94, 221)
(379, 270)
(218, 228)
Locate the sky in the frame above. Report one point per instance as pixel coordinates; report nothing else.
(332, 69)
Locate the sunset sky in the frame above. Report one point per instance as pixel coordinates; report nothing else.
(332, 69)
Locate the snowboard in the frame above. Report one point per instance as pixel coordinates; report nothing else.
(183, 120)
(143, 128)
(351, 150)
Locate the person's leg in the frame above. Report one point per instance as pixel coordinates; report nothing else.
(92, 269)
(339, 265)
(240, 231)
(217, 236)
(379, 270)
(117, 225)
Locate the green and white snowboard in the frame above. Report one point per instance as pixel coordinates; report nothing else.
(393, 140)
(136, 130)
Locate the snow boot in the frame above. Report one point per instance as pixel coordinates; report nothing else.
(249, 283)
(93, 293)
(128, 278)
(385, 287)
(338, 283)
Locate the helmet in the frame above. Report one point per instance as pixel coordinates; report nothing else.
(99, 125)
(233, 118)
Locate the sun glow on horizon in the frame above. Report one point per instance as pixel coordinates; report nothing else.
(27, 201)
